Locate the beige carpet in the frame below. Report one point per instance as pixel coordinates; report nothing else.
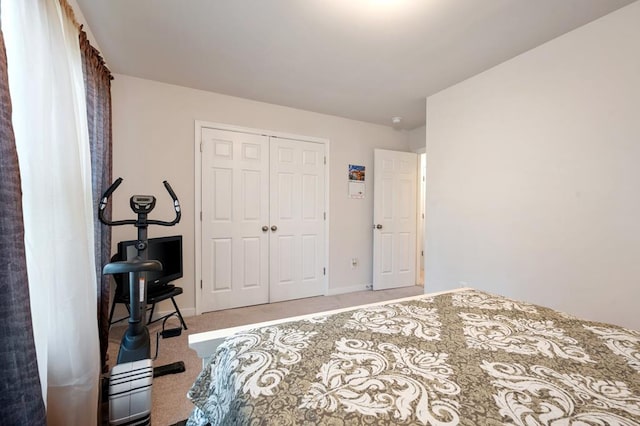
(170, 404)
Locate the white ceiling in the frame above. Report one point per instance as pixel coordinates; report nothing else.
(369, 60)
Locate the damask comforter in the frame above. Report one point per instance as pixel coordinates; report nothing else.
(467, 358)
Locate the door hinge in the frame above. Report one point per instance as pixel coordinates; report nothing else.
(324, 271)
(200, 146)
(325, 215)
(325, 159)
(200, 284)
(200, 216)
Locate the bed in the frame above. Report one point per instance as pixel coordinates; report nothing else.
(462, 357)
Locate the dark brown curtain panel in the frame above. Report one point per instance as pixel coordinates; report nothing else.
(97, 80)
(20, 392)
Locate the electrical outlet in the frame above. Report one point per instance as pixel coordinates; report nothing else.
(354, 262)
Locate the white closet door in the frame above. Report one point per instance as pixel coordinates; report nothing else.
(235, 208)
(297, 245)
(394, 217)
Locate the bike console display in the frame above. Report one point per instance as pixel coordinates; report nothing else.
(142, 203)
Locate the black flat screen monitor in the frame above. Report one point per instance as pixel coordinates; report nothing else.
(168, 250)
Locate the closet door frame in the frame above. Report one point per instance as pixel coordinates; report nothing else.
(198, 127)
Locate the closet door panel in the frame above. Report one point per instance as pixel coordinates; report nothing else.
(297, 244)
(235, 207)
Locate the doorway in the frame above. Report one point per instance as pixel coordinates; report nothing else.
(261, 222)
(394, 216)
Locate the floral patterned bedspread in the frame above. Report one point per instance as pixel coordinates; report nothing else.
(467, 358)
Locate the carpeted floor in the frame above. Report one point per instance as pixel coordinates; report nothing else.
(170, 404)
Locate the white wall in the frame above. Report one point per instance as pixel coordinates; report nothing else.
(533, 178)
(417, 139)
(153, 140)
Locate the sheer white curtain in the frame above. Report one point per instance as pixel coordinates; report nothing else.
(49, 119)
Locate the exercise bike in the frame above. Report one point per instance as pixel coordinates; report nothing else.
(131, 378)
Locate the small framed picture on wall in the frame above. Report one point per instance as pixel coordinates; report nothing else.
(356, 173)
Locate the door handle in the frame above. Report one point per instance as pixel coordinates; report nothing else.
(274, 228)
(265, 228)
(378, 226)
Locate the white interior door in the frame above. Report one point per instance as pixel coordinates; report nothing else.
(235, 208)
(297, 219)
(394, 216)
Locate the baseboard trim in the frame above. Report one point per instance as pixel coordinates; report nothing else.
(186, 312)
(348, 289)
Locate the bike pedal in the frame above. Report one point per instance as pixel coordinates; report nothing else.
(173, 368)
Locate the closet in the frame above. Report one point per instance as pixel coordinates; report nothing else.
(263, 218)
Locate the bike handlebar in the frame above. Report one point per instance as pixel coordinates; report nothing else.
(105, 200)
(105, 197)
(176, 206)
(170, 190)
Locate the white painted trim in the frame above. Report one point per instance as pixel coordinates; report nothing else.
(421, 222)
(327, 187)
(418, 218)
(197, 166)
(348, 289)
(206, 343)
(231, 128)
